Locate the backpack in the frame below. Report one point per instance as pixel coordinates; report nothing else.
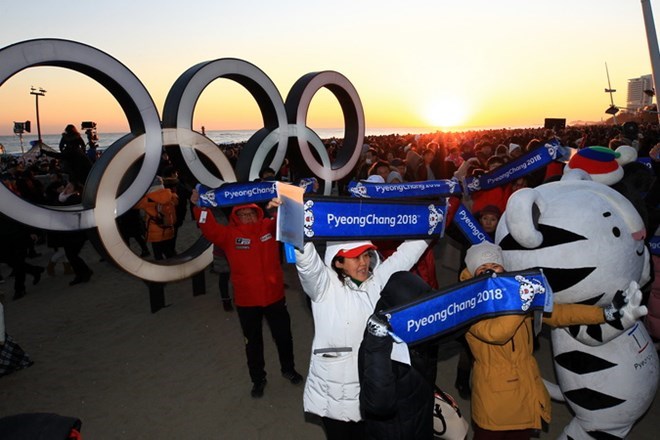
(166, 214)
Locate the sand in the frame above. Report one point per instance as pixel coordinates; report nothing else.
(102, 356)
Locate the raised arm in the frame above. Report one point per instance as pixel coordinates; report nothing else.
(315, 277)
(405, 257)
(211, 230)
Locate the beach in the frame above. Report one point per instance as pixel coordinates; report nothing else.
(12, 144)
(102, 356)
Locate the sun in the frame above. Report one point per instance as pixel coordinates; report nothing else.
(446, 112)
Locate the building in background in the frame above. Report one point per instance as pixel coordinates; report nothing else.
(640, 93)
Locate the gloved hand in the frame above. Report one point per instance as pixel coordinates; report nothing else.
(377, 326)
(611, 313)
(631, 309)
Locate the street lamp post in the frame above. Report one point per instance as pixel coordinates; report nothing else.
(37, 93)
(613, 109)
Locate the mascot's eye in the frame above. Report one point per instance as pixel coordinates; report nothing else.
(616, 231)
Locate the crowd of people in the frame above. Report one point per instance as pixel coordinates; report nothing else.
(352, 384)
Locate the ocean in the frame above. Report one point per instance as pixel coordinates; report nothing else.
(12, 144)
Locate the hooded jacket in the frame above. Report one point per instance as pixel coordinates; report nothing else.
(341, 309)
(396, 398)
(507, 389)
(252, 253)
(149, 204)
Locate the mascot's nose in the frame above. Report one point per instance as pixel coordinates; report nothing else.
(639, 235)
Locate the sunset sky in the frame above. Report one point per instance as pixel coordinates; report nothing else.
(419, 63)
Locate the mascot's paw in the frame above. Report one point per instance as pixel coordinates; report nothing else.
(627, 309)
(633, 308)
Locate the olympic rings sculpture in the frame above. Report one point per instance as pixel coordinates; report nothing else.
(105, 198)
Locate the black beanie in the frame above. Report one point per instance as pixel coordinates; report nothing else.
(402, 288)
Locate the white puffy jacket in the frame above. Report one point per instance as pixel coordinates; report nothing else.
(341, 309)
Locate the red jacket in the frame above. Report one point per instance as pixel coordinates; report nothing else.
(253, 255)
(497, 196)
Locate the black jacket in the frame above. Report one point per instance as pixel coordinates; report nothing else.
(397, 399)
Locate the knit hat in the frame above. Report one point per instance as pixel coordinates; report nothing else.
(483, 253)
(513, 147)
(156, 185)
(394, 175)
(402, 288)
(600, 162)
(375, 178)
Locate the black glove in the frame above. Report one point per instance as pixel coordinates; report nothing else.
(627, 307)
(377, 326)
(611, 313)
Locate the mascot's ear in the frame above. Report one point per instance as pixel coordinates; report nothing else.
(576, 174)
(627, 154)
(521, 217)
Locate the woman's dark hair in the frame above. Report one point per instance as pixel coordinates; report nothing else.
(71, 129)
(340, 273)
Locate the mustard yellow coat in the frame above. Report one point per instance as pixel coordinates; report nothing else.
(507, 390)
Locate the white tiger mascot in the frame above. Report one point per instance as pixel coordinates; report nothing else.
(589, 241)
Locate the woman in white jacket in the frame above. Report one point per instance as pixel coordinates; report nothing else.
(344, 289)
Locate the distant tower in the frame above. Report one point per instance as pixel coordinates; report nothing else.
(638, 97)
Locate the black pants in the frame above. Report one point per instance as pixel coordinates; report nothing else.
(341, 430)
(13, 252)
(15, 258)
(73, 244)
(223, 285)
(278, 319)
(163, 249)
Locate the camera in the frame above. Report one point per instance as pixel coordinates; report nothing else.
(90, 132)
(21, 127)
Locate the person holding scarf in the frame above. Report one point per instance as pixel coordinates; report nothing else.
(509, 400)
(249, 244)
(344, 288)
(397, 381)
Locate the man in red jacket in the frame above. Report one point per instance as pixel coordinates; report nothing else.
(256, 274)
